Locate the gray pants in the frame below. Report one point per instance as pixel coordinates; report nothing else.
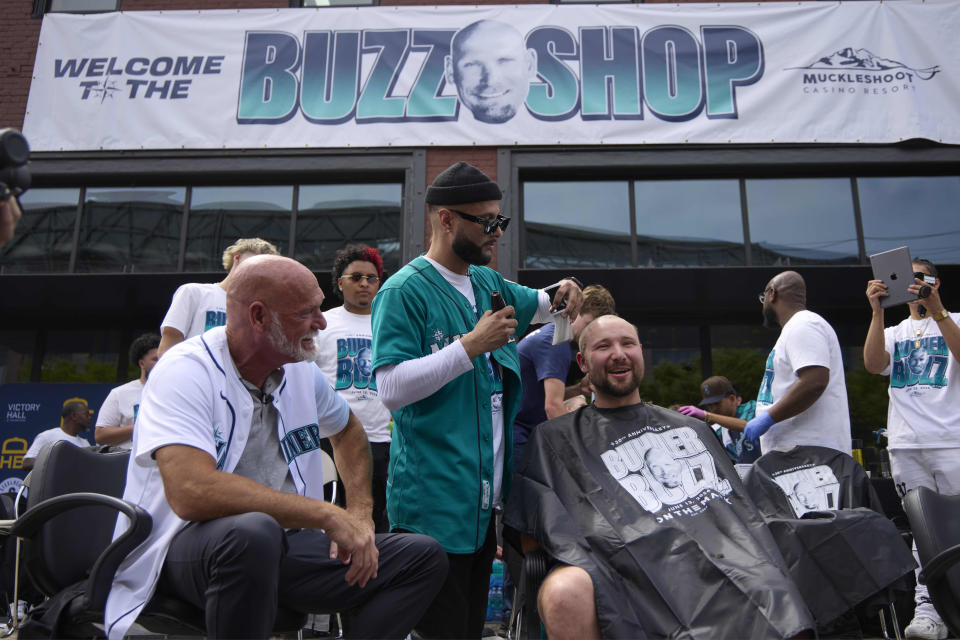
(239, 567)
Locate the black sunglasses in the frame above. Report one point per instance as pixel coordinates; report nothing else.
(489, 224)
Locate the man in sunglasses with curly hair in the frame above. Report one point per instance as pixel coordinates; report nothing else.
(446, 366)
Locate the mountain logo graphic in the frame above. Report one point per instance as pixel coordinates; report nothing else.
(863, 60)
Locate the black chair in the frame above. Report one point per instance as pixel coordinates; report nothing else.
(67, 529)
(935, 520)
(529, 570)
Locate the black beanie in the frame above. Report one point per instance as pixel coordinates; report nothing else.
(462, 183)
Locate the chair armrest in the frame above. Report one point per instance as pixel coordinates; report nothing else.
(101, 575)
(934, 569)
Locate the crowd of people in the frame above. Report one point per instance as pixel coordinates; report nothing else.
(439, 415)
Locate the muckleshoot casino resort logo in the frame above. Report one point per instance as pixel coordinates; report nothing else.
(860, 72)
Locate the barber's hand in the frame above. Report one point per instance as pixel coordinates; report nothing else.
(757, 427)
(586, 388)
(875, 291)
(569, 291)
(491, 332)
(692, 411)
(10, 215)
(353, 541)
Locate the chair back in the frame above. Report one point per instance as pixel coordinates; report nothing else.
(935, 520)
(66, 548)
(330, 476)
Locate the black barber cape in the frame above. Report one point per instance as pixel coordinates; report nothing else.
(647, 501)
(829, 526)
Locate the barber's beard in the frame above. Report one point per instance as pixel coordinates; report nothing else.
(295, 351)
(468, 251)
(770, 320)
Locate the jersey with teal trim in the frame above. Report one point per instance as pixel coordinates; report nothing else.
(195, 308)
(442, 458)
(924, 413)
(197, 398)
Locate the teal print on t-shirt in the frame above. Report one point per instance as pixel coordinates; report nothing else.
(924, 365)
(765, 394)
(215, 319)
(354, 364)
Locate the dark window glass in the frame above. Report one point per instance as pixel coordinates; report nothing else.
(16, 355)
(219, 216)
(689, 223)
(576, 224)
(83, 6)
(337, 3)
(802, 221)
(332, 216)
(922, 213)
(43, 238)
(130, 230)
(81, 356)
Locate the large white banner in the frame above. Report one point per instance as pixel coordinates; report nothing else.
(809, 72)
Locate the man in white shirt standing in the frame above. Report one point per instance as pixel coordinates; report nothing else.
(923, 423)
(345, 358)
(198, 306)
(119, 411)
(75, 419)
(803, 397)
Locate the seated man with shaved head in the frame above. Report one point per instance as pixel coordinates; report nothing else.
(651, 530)
(803, 397)
(226, 458)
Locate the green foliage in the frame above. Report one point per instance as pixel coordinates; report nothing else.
(63, 370)
(668, 383)
(868, 398)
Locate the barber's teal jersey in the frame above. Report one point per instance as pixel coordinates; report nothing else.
(441, 457)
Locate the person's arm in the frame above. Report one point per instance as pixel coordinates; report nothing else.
(197, 491)
(730, 422)
(948, 327)
(553, 397)
(168, 338)
(351, 452)
(810, 384)
(28, 463)
(413, 380)
(10, 215)
(113, 435)
(875, 356)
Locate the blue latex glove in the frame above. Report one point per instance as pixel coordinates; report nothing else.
(757, 427)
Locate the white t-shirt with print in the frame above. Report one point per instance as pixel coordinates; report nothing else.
(195, 308)
(49, 437)
(806, 340)
(924, 410)
(120, 408)
(345, 357)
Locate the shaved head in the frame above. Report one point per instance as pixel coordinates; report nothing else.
(273, 280)
(791, 288)
(600, 323)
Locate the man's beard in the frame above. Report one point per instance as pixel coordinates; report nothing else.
(468, 251)
(770, 320)
(295, 351)
(616, 389)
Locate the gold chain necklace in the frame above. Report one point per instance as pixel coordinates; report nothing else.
(918, 333)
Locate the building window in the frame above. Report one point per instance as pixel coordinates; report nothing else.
(127, 230)
(686, 223)
(920, 212)
(802, 221)
(333, 3)
(577, 224)
(44, 236)
(81, 356)
(73, 6)
(219, 216)
(330, 216)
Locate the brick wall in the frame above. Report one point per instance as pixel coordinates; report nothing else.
(19, 34)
